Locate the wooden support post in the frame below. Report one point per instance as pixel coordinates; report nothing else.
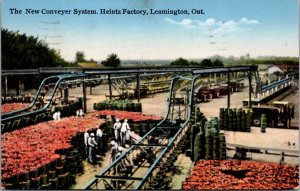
(228, 95)
(66, 95)
(215, 77)
(250, 90)
(109, 86)
(84, 96)
(6, 88)
(18, 87)
(138, 86)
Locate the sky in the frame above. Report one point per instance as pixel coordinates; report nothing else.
(226, 28)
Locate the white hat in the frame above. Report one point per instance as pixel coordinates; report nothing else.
(92, 134)
(112, 142)
(126, 120)
(117, 120)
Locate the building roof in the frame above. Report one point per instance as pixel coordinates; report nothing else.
(287, 66)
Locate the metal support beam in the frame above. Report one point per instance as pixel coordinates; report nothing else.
(225, 69)
(109, 86)
(84, 96)
(138, 86)
(149, 145)
(20, 72)
(250, 89)
(119, 178)
(228, 95)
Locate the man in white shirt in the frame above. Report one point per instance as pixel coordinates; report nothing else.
(86, 136)
(117, 127)
(92, 147)
(56, 116)
(80, 113)
(125, 127)
(99, 140)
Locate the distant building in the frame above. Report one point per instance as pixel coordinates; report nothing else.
(283, 68)
(274, 69)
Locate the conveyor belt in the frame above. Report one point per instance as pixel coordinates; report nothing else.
(27, 111)
(169, 134)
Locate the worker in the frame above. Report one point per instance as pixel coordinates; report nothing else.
(117, 127)
(56, 116)
(124, 130)
(92, 147)
(99, 140)
(86, 137)
(114, 150)
(81, 114)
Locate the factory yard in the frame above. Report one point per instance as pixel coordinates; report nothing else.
(271, 143)
(274, 138)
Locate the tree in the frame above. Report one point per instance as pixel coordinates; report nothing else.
(20, 51)
(206, 63)
(27, 52)
(217, 63)
(180, 62)
(194, 63)
(80, 57)
(112, 60)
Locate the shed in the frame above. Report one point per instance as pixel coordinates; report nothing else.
(273, 69)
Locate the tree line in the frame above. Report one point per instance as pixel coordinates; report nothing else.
(205, 63)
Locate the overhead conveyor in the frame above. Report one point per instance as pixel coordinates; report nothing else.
(55, 80)
(151, 151)
(31, 110)
(146, 155)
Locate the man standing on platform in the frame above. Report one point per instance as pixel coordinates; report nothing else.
(117, 127)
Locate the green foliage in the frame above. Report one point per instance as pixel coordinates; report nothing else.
(20, 51)
(204, 63)
(180, 62)
(112, 61)
(218, 63)
(80, 57)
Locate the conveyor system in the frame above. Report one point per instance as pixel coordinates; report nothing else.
(28, 111)
(157, 144)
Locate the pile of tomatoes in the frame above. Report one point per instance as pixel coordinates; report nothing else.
(233, 174)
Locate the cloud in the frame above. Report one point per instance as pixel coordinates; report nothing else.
(188, 23)
(248, 22)
(212, 24)
(208, 23)
(228, 26)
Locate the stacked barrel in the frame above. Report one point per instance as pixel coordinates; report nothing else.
(166, 171)
(233, 119)
(123, 105)
(210, 143)
(206, 140)
(60, 173)
(263, 123)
